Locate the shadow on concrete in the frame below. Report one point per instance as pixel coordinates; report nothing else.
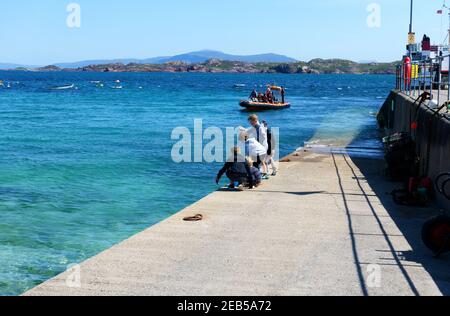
(358, 262)
(409, 220)
(294, 193)
(313, 193)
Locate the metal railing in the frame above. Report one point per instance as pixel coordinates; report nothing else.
(428, 76)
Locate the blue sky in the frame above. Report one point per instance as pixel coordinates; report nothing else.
(35, 32)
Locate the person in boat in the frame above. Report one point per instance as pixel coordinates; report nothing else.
(268, 95)
(254, 95)
(274, 98)
(261, 97)
(283, 92)
(256, 174)
(271, 150)
(237, 171)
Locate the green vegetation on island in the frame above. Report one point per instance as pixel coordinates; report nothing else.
(315, 66)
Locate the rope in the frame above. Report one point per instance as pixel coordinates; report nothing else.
(195, 218)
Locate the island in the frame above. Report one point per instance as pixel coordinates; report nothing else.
(315, 66)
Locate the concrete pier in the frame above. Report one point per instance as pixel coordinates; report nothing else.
(431, 136)
(324, 226)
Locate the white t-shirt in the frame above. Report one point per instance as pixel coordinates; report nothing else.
(252, 132)
(254, 148)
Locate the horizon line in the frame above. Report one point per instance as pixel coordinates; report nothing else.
(79, 60)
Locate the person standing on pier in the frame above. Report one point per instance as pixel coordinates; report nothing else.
(259, 133)
(256, 151)
(270, 150)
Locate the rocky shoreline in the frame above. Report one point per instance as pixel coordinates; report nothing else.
(315, 66)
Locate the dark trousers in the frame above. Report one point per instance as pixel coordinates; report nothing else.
(257, 163)
(237, 177)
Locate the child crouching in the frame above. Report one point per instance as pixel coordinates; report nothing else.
(256, 174)
(237, 171)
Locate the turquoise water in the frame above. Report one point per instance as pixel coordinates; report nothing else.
(83, 169)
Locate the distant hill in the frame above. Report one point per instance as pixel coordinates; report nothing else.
(7, 66)
(368, 61)
(204, 55)
(315, 66)
(202, 62)
(85, 63)
(188, 58)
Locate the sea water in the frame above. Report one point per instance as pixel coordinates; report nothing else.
(82, 169)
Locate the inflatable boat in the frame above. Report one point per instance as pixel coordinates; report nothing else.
(269, 101)
(262, 106)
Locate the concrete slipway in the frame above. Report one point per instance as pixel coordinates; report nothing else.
(324, 226)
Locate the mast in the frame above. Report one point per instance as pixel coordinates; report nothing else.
(444, 6)
(411, 35)
(411, 17)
